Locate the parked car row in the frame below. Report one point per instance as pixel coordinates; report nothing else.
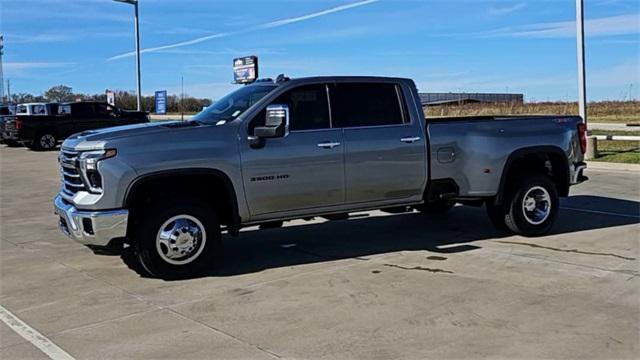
(42, 126)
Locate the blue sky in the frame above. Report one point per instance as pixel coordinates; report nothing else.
(523, 46)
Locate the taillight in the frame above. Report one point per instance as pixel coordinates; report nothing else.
(582, 135)
(18, 124)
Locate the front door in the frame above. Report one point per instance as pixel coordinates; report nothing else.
(303, 170)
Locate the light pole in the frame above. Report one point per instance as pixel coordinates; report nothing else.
(137, 34)
(582, 86)
(1, 72)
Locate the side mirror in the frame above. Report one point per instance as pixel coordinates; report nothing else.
(276, 123)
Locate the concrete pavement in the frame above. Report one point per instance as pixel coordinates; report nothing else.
(377, 286)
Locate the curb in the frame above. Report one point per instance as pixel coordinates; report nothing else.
(600, 165)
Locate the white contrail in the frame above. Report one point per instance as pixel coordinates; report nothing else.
(268, 25)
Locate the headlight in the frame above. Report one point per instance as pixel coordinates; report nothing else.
(88, 162)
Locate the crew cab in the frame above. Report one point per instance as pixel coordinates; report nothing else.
(321, 146)
(37, 109)
(43, 131)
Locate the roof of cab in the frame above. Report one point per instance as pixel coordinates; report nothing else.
(329, 79)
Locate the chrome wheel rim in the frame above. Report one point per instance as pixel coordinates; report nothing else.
(181, 239)
(536, 205)
(47, 141)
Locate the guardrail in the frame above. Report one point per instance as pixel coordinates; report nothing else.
(592, 143)
(617, 137)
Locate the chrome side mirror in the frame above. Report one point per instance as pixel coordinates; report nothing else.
(276, 124)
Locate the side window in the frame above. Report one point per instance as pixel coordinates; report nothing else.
(38, 110)
(308, 108)
(367, 104)
(64, 109)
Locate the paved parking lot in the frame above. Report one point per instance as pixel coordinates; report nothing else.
(377, 286)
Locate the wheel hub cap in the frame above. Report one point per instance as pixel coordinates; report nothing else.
(180, 239)
(536, 205)
(47, 141)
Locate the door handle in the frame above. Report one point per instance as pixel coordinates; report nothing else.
(410, 140)
(328, 145)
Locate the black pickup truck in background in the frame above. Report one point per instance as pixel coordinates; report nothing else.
(7, 114)
(45, 132)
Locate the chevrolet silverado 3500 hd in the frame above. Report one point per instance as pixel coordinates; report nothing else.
(275, 151)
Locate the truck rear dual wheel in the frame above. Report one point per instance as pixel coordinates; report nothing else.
(530, 207)
(178, 238)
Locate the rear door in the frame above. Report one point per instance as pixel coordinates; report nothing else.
(302, 170)
(384, 149)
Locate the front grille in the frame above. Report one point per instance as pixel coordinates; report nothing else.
(69, 173)
(9, 125)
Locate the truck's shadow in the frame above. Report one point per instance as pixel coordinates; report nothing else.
(461, 230)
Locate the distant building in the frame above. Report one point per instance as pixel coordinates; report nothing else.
(434, 99)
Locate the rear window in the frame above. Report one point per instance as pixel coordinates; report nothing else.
(366, 104)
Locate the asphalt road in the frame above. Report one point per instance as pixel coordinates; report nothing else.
(377, 286)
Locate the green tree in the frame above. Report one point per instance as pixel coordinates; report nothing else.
(59, 93)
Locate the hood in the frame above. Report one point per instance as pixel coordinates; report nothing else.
(95, 138)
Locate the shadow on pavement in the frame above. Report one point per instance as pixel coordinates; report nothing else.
(462, 229)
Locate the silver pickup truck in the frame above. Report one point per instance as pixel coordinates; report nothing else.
(322, 146)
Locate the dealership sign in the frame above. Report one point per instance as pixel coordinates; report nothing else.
(245, 69)
(161, 102)
(111, 97)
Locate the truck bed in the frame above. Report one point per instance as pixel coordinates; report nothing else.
(473, 150)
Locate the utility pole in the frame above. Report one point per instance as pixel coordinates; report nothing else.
(582, 85)
(9, 91)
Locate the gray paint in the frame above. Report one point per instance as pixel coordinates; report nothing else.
(371, 168)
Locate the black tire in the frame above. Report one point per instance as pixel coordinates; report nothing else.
(435, 208)
(206, 255)
(496, 214)
(45, 141)
(530, 193)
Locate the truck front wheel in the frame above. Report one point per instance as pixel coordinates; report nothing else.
(532, 206)
(178, 238)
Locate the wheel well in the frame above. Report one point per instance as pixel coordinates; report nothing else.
(209, 185)
(548, 161)
(47, 129)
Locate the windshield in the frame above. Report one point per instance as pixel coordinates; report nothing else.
(233, 105)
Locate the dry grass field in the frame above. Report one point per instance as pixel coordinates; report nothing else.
(603, 111)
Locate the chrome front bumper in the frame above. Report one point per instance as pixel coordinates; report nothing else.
(95, 228)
